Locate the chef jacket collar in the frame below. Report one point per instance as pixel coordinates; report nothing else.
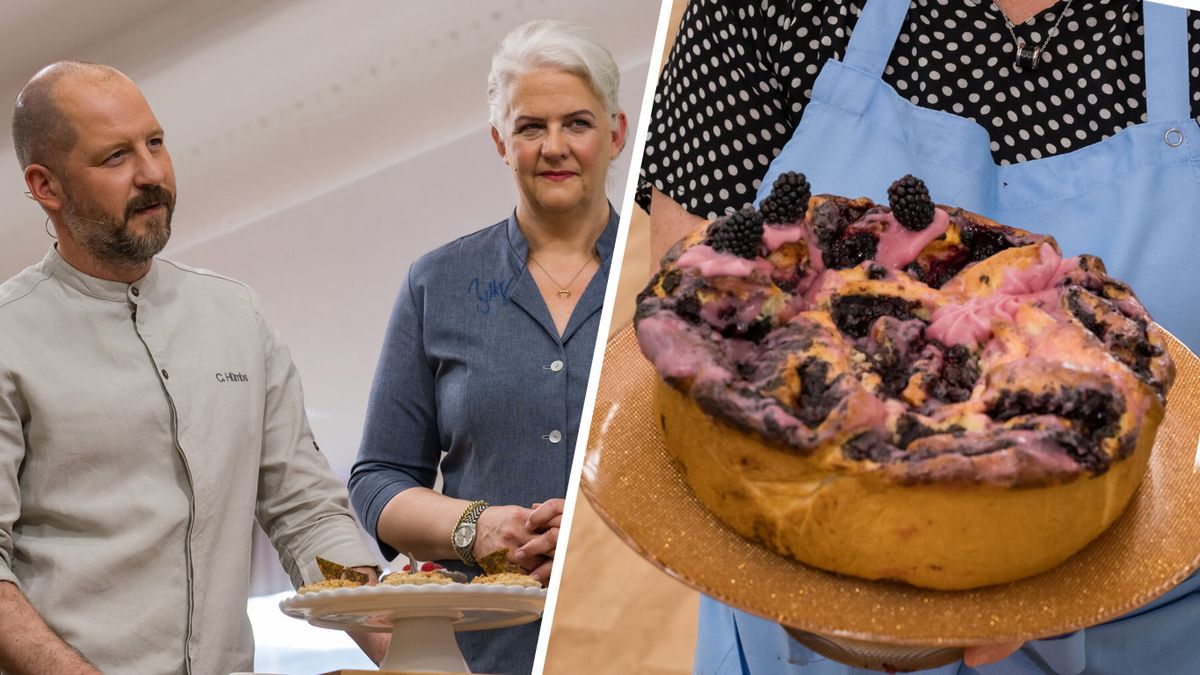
(115, 291)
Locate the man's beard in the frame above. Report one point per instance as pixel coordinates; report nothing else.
(109, 237)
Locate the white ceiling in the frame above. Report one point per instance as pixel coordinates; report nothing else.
(319, 147)
(266, 103)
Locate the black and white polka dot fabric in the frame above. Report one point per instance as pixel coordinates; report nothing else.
(740, 74)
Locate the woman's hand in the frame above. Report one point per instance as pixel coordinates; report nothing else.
(502, 527)
(546, 515)
(537, 555)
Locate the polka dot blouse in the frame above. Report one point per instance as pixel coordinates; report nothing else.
(741, 72)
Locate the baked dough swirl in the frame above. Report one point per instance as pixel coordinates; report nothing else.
(951, 407)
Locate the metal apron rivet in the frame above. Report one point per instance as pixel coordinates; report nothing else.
(1173, 137)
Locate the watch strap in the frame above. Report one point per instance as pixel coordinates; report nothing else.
(469, 515)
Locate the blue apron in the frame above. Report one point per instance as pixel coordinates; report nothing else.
(1133, 199)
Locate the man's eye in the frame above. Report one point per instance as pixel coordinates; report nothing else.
(580, 124)
(155, 142)
(116, 156)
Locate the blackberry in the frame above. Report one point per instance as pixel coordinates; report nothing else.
(788, 200)
(982, 242)
(910, 202)
(739, 234)
(854, 314)
(688, 307)
(850, 251)
(915, 271)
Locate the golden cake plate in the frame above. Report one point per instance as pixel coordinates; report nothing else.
(642, 495)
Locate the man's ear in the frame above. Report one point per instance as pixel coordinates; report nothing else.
(44, 187)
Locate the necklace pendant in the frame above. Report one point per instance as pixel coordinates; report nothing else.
(563, 294)
(1027, 57)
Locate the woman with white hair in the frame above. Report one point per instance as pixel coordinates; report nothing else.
(487, 354)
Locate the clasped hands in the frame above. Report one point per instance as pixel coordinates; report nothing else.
(529, 534)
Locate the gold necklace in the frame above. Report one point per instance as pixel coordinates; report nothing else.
(563, 291)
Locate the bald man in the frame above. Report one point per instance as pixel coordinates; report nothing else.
(148, 415)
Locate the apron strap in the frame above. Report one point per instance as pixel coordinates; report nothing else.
(875, 34)
(1166, 59)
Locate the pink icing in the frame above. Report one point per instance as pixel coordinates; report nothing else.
(774, 237)
(1044, 452)
(667, 341)
(1040, 276)
(864, 410)
(816, 258)
(861, 411)
(712, 263)
(777, 415)
(1132, 308)
(746, 311)
(822, 286)
(970, 322)
(899, 246)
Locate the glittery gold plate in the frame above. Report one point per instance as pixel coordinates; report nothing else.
(641, 494)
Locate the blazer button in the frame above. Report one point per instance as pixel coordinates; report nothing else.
(554, 436)
(556, 366)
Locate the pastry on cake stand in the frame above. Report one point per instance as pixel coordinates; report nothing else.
(422, 617)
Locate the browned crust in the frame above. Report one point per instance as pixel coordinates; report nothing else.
(933, 536)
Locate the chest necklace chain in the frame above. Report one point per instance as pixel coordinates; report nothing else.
(563, 291)
(1026, 56)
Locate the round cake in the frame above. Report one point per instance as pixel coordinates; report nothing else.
(907, 391)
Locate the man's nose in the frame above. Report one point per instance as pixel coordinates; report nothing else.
(152, 167)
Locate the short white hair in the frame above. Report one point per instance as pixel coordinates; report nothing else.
(548, 43)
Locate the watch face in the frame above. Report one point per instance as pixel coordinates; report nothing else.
(464, 536)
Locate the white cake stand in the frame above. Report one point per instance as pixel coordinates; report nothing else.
(422, 619)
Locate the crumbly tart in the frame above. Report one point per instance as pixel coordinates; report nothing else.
(328, 584)
(507, 579)
(415, 579)
(907, 391)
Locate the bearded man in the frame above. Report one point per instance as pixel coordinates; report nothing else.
(148, 415)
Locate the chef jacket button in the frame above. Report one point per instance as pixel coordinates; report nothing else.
(556, 366)
(554, 436)
(134, 290)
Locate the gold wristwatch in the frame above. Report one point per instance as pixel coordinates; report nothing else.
(462, 537)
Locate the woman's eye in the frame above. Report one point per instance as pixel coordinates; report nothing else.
(527, 129)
